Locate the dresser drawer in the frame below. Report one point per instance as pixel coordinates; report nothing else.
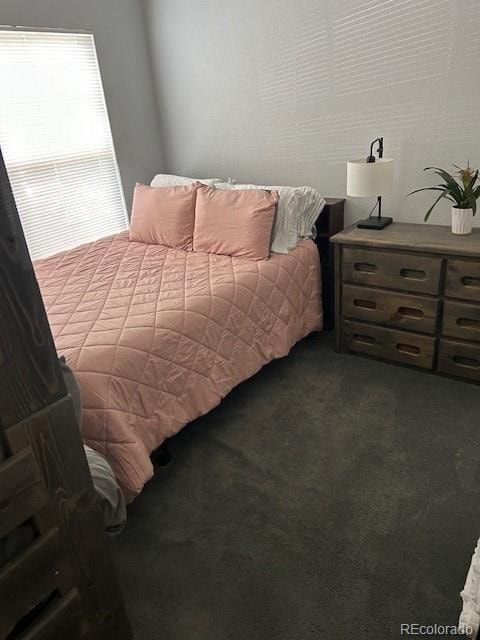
(390, 344)
(390, 308)
(459, 359)
(461, 320)
(22, 490)
(463, 279)
(392, 270)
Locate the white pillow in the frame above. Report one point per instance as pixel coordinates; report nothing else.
(298, 209)
(169, 180)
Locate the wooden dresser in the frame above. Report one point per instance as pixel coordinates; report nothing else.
(410, 294)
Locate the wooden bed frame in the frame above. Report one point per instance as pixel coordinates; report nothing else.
(61, 584)
(328, 224)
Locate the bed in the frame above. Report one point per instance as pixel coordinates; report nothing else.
(158, 336)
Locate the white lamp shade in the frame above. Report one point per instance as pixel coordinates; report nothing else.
(365, 179)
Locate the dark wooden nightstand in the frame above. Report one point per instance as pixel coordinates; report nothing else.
(410, 294)
(328, 224)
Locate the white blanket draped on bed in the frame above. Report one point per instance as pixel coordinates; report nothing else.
(470, 617)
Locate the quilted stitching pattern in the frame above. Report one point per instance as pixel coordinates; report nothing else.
(158, 336)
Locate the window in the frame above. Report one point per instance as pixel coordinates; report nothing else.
(56, 140)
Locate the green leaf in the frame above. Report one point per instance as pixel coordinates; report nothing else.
(473, 180)
(452, 185)
(471, 201)
(442, 173)
(439, 188)
(464, 196)
(427, 215)
(454, 189)
(472, 194)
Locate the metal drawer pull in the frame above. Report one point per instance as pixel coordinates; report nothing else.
(470, 363)
(468, 323)
(413, 274)
(410, 312)
(358, 337)
(411, 349)
(470, 281)
(366, 267)
(366, 304)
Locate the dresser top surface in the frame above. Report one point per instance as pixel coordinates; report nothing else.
(416, 237)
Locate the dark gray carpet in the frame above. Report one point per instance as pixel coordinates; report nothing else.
(330, 497)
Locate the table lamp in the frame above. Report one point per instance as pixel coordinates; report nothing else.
(371, 177)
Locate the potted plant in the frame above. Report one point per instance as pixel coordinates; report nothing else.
(462, 193)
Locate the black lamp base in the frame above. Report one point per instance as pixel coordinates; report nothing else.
(374, 222)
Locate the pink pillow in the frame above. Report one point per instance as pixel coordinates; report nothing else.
(163, 215)
(234, 223)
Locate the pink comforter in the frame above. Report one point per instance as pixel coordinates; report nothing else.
(158, 336)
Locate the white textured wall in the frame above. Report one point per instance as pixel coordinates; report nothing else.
(125, 66)
(285, 91)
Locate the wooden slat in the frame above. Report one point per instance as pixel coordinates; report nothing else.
(463, 279)
(461, 320)
(404, 272)
(61, 457)
(22, 490)
(389, 344)
(64, 619)
(29, 578)
(337, 258)
(59, 451)
(390, 308)
(460, 359)
(424, 238)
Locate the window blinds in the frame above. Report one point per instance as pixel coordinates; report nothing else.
(56, 140)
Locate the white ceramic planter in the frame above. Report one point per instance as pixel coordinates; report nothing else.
(462, 220)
